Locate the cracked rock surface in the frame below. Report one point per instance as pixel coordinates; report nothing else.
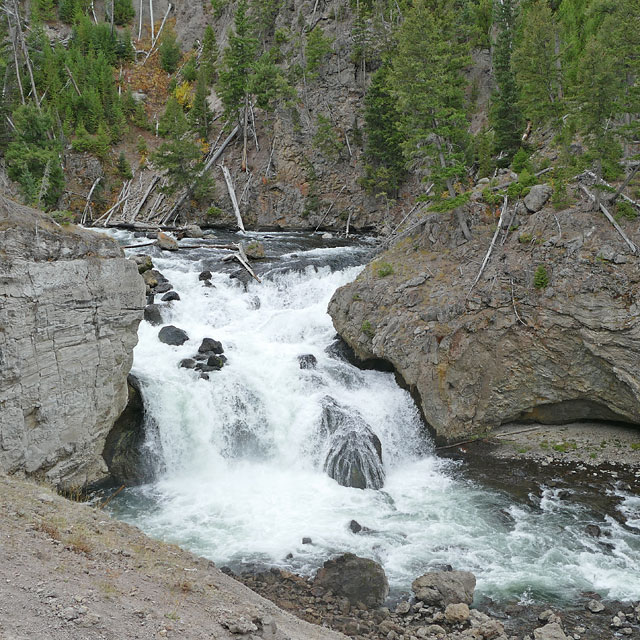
(70, 304)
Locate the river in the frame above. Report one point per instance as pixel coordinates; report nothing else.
(242, 479)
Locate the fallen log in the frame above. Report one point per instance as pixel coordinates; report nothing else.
(232, 195)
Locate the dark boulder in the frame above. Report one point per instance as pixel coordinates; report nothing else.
(170, 296)
(307, 361)
(216, 362)
(205, 275)
(209, 345)
(307, 541)
(441, 588)
(172, 335)
(153, 314)
(242, 276)
(163, 287)
(188, 363)
(354, 457)
(360, 580)
(129, 461)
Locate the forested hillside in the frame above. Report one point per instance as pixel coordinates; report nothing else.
(333, 113)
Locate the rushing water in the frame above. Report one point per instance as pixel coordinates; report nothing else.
(243, 480)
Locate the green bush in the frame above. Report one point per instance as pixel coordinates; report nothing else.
(384, 269)
(122, 12)
(367, 329)
(625, 210)
(540, 277)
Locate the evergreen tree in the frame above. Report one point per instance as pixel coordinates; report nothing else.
(506, 117)
(173, 122)
(170, 53)
(200, 114)
(123, 12)
(535, 64)
(428, 83)
(237, 61)
(317, 48)
(384, 160)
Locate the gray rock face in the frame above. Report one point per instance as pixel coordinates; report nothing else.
(357, 579)
(537, 197)
(443, 588)
(506, 351)
(70, 305)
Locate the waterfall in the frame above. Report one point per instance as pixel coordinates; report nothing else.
(290, 441)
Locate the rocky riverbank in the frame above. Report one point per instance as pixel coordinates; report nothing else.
(548, 331)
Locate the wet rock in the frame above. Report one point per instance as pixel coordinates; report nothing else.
(355, 452)
(445, 587)
(153, 314)
(166, 242)
(209, 345)
(205, 275)
(128, 461)
(163, 287)
(150, 278)
(357, 579)
(456, 613)
(537, 197)
(187, 363)
(144, 263)
(307, 361)
(552, 631)
(595, 606)
(216, 362)
(170, 296)
(255, 250)
(193, 231)
(307, 541)
(172, 335)
(355, 526)
(593, 530)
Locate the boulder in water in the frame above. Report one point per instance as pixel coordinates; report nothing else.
(307, 361)
(163, 287)
(187, 363)
(144, 263)
(193, 231)
(445, 587)
(170, 296)
(255, 250)
(172, 335)
(153, 314)
(166, 242)
(205, 275)
(209, 345)
(216, 362)
(354, 457)
(360, 580)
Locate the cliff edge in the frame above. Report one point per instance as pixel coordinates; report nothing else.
(550, 332)
(70, 304)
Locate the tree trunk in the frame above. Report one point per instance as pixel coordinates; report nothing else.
(244, 132)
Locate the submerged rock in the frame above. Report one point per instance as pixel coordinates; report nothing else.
(354, 456)
(205, 276)
(307, 361)
(172, 335)
(442, 588)
(357, 579)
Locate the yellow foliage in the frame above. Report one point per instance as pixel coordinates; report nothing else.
(184, 94)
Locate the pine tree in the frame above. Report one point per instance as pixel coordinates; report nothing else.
(123, 12)
(200, 114)
(428, 83)
(237, 61)
(317, 48)
(535, 64)
(173, 122)
(505, 116)
(170, 53)
(384, 138)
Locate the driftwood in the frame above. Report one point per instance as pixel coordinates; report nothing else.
(606, 184)
(232, 195)
(612, 220)
(88, 203)
(493, 242)
(155, 205)
(150, 188)
(242, 258)
(326, 213)
(625, 184)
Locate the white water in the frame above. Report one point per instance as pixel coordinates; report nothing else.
(255, 504)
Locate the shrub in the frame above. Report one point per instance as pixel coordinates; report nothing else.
(367, 329)
(625, 210)
(384, 269)
(540, 277)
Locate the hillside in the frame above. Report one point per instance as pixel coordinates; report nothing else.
(335, 114)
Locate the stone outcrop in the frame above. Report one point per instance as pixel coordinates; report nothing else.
(70, 304)
(445, 588)
(556, 347)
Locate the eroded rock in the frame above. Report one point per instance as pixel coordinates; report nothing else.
(445, 587)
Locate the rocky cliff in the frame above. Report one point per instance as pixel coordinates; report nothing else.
(551, 331)
(70, 304)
